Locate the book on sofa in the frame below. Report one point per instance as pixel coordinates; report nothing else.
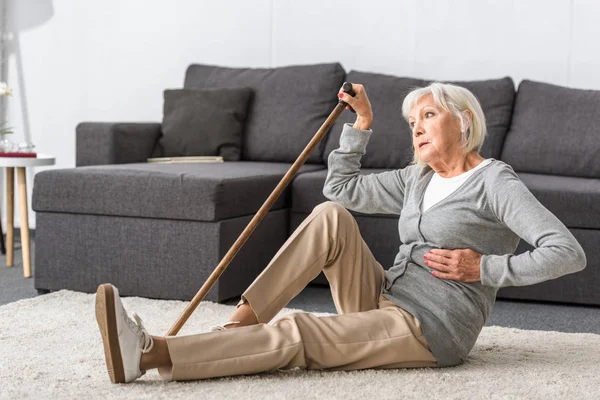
(190, 159)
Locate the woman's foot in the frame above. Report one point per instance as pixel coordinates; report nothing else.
(225, 326)
(124, 340)
(242, 316)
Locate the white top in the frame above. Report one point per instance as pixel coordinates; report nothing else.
(439, 188)
(40, 160)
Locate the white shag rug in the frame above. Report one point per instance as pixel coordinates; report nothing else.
(50, 347)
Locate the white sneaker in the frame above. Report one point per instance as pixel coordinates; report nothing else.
(124, 340)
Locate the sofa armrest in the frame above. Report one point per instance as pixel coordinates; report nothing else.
(101, 143)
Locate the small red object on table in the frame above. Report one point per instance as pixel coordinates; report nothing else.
(17, 154)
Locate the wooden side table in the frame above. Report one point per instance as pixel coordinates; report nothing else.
(10, 163)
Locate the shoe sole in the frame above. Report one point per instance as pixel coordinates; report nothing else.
(106, 318)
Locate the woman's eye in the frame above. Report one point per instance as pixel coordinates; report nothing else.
(428, 114)
(412, 124)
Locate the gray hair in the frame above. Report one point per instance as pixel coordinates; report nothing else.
(456, 100)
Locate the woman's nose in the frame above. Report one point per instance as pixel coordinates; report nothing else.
(417, 129)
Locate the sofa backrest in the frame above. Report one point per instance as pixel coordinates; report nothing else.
(390, 146)
(288, 107)
(554, 131)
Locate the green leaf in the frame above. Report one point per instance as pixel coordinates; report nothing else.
(5, 129)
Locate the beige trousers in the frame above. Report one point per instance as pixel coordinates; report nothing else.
(370, 332)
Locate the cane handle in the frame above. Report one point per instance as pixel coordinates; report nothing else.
(347, 88)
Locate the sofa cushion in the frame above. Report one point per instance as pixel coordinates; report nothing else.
(207, 122)
(390, 145)
(554, 131)
(575, 201)
(307, 190)
(190, 191)
(289, 105)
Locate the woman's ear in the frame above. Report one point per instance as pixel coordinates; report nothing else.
(465, 120)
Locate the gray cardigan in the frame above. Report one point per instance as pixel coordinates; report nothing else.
(489, 213)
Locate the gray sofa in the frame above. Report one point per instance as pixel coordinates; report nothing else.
(159, 230)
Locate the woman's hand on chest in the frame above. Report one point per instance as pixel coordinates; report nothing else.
(460, 264)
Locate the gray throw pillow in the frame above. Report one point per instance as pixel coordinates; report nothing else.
(207, 122)
(288, 106)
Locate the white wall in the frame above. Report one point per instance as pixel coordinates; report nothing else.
(73, 60)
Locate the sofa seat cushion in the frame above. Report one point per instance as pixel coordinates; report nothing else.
(554, 131)
(307, 190)
(390, 146)
(191, 191)
(575, 201)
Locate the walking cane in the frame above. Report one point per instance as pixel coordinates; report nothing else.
(212, 279)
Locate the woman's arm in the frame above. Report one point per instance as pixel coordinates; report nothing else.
(556, 252)
(375, 193)
(381, 193)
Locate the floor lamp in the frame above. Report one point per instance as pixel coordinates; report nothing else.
(3, 76)
(17, 16)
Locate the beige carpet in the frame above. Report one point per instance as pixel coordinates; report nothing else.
(50, 348)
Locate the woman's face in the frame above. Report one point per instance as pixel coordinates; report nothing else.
(438, 128)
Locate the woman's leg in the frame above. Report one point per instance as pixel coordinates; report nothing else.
(328, 240)
(386, 337)
(380, 338)
(371, 332)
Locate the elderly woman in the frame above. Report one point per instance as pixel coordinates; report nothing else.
(461, 217)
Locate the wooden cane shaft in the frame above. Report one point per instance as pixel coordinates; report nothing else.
(212, 279)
